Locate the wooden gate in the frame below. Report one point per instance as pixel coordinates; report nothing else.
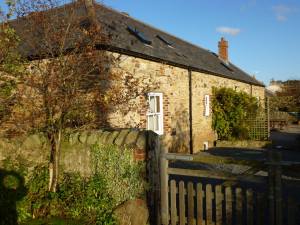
(198, 197)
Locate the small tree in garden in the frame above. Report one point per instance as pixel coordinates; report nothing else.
(231, 109)
(68, 82)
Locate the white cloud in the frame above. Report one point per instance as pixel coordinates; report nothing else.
(228, 30)
(282, 12)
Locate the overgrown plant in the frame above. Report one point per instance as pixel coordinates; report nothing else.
(231, 109)
(82, 199)
(124, 177)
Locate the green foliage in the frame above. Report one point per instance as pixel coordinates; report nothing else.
(77, 198)
(7, 89)
(11, 61)
(53, 221)
(117, 178)
(11, 66)
(121, 173)
(231, 109)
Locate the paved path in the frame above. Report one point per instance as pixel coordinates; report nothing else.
(288, 142)
(288, 138)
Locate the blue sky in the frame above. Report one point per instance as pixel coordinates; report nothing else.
(263, 35)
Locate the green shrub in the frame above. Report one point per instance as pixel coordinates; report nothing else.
(117, 178)
(231, 109)
(123, 176)
(77, 198)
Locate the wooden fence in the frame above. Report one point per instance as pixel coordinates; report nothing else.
(202, 197)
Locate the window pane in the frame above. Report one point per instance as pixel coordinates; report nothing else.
(151, 122)
(157, 104)
(207, 107)
(157, 123)
(154, 113)
(152, 104)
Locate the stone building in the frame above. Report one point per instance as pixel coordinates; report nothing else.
(179, 108)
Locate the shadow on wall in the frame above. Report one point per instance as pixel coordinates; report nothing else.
(12, 189)
(180, 138)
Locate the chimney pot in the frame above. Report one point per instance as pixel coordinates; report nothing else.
(223, 49)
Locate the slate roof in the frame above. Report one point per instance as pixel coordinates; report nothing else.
(181, 53)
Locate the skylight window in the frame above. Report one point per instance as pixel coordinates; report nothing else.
(139, 35)
(164, 40)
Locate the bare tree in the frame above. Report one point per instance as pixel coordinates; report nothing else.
(68, 82)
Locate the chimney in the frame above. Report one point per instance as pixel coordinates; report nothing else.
(223, 50)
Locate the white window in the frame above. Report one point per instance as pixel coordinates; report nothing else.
(206, 105)
(155, 112)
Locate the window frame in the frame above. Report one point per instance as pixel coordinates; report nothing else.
(160, 114)
(206, 105)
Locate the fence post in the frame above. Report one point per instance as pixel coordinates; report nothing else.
(278, 188)
(271, 187)
(164, 188)
(275, 188)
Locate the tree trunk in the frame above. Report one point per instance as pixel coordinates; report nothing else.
(55, 143)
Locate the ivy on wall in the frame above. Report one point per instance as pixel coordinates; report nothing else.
(231, 109)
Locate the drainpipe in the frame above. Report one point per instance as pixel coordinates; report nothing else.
(190, 111)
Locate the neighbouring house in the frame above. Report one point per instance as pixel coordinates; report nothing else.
(179, 108)
(274, 86)
(288, 86)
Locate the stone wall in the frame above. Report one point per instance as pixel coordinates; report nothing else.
(29, 152)
(202, 85)
(173, 82)
(33, 150)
